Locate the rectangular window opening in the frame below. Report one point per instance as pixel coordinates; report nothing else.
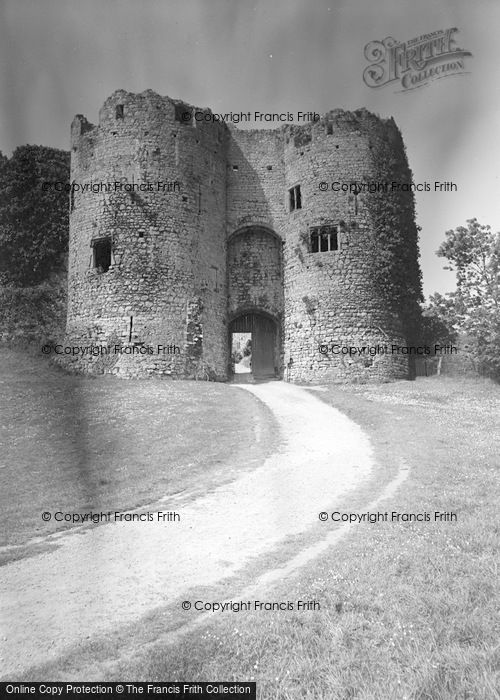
(119, 112)
(323, 239)
(102, 254)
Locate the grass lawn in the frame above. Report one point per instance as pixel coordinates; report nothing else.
(80, 444)
(408, 610)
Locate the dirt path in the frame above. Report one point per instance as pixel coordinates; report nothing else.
(110, 575)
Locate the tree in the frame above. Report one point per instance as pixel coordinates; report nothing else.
(34, 219)
(474, 308)
(438, 322)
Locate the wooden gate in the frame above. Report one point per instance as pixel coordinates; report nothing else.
(264, 337)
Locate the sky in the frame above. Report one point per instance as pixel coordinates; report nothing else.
(65, 57)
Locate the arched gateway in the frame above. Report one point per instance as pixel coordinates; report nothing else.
(255, 301)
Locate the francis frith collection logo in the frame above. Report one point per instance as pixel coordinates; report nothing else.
(416, 62)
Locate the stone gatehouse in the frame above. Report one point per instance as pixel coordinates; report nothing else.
(185, 231)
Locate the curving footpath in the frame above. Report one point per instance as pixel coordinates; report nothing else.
(107, 576)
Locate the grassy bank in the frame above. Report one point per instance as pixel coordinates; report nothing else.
(76, 444)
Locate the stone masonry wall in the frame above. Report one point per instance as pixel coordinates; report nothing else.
(256, 181)
(255, 280)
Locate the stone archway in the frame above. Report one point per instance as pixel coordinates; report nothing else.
(254, 272)
(256, 297)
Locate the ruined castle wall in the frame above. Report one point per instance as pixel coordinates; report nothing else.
(329, 298)
(168, 244)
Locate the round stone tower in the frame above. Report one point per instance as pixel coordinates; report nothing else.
(147, 239)
(338, 321)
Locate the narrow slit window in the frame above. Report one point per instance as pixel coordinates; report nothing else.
(102, 254)
(298, 198)
(356, 190)
(119, 112)
(294, 198)
(215, 278)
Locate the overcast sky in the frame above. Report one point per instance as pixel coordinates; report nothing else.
(63, 57)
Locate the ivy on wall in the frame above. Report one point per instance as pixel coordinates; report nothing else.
(393, 245)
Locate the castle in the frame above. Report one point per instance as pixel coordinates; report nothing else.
(185, 230)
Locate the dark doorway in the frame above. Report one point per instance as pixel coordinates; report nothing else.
(264, 351)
